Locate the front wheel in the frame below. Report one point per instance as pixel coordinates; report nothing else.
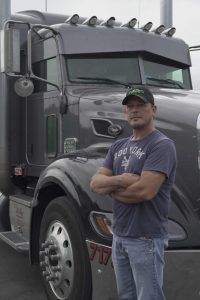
(64, 261)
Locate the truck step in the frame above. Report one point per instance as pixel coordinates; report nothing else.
(15, 240)
(22, 199)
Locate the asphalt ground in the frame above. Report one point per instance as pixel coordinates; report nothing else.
(18, 279)
(21, 281)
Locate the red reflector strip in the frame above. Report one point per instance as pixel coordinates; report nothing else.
(18, 171)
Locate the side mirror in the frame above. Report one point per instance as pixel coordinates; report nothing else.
(23, 87)
(10, 51)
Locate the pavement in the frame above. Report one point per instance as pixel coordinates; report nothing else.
(21, 281)
(18, 279)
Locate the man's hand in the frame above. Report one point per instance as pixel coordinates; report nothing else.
(127, 179)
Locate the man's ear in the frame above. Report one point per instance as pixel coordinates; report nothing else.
(154, 107)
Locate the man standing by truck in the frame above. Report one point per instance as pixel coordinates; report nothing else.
(138, 173)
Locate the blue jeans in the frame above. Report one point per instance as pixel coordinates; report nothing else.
(138, 265)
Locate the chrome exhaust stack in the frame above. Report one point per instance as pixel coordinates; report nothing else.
(5, 14)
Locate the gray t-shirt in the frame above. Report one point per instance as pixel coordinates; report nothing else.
(155, 152)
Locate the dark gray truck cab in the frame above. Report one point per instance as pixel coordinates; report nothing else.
(57, 129)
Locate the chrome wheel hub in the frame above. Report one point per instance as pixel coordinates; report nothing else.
(56, 260)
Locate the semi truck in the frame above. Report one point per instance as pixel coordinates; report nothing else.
(62, 82)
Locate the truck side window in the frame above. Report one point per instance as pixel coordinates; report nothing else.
(51, 136)
(46, 69)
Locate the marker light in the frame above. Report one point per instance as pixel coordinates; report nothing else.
(73, 19)
(110, 22)
(130, 24)
(147, 26)
(91, 21)
(170, 31)
(159, 29)
(102, 223)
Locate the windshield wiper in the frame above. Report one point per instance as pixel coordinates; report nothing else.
(170, 81)
(105, 80)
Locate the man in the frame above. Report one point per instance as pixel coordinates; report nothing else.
(138, 173)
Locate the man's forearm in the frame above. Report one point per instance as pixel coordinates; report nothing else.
(105, 191)
(144, 189)
(126, 197)
(103, 184)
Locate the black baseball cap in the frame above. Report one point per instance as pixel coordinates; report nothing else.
(141, 92)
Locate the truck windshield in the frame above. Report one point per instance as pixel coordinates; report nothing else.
(108, 70)
(127, 71)
(166, 75)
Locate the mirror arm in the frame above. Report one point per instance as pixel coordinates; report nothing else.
(46, 81)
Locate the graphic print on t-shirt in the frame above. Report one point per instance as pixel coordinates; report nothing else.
(125, 162)
(126, 153)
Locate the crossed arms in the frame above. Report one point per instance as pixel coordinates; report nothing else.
(127, 188)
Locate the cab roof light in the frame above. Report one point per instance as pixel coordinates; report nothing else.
(73, 19)
(147, 26)
(110, 22)
(130, 24)
(170, 31)
(92, 21)
(159, 29)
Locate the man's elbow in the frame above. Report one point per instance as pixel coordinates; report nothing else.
(95, 189)
(148, 195)
(92, 185)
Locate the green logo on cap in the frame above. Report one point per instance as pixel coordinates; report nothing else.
(135, 91)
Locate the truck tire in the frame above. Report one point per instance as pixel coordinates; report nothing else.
(64, 260)
(4, 213)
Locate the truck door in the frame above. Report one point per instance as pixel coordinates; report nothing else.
(43, 117)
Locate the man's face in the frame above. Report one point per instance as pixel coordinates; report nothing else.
(140, 114)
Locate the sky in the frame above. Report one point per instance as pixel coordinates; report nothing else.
(185, 16)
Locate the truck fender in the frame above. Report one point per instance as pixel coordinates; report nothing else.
(55, 181)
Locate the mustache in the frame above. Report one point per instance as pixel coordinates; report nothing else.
(135, 116)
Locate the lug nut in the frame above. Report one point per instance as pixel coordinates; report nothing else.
(47, 244)
(49, 278)
(43, 246)
(54, 257)
(53, 248)
(56, 268)
(46, 251)
(52, 277)
(45, 273)
(42, 254)
(43, 264)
